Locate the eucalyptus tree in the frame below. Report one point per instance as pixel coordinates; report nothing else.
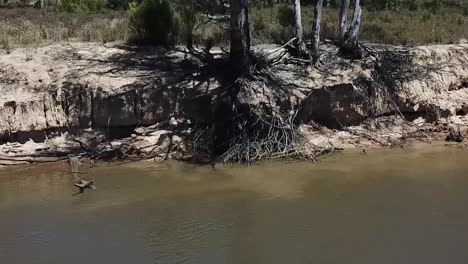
(343, 23)
(240, 36)
(299, 30)
(316, 31)
(350, 40)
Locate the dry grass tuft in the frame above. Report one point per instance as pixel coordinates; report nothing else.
(384, 26)
(31, 27)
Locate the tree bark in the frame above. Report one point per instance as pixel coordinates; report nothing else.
(343, 18)
(356, 24)
(350, 43)
(299, 31)
(316, 31)
(240, 36)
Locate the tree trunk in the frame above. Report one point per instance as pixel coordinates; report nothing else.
(240, 36)
(356, 24)
(316, 31)
(343, 18)
(350, 43)
(42, 4)
(300, 44)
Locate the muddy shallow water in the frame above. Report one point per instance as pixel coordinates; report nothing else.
(390, 206)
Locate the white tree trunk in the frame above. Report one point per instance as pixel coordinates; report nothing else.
(343, 18)
(350, 45)
(299, 31)
(42, 4)
(240, 36)
(355, 24)
(316, 31)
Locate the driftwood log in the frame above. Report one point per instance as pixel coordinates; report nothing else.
(29, 159)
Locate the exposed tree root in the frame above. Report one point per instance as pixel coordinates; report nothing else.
(246, 132)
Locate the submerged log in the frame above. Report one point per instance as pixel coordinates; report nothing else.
(12, 162)
(32, 159)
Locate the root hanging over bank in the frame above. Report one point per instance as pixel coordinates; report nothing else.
(258, 137)
(254, 136)
(271, 137)
(254, 119)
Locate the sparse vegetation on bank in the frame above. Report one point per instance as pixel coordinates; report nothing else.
(404, 27)
(408, 25)
(31, 27)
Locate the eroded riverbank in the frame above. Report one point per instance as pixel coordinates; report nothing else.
(117, 101)
(390, 206)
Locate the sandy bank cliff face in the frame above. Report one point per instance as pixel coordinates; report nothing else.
(69, 86)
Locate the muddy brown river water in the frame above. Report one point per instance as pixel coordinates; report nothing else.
(390, 206)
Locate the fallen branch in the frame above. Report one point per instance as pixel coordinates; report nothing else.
(282, 47)
(34, 159)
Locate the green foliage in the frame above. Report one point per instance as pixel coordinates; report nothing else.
(436, 5)
(384, 26)
(258, 23)
(80, 6)
(275, 24)
(118, 4)
(465, 8)
(414, 5)
(188, 13)
(153, 22)
(285, 16)
(386, 18)
(208, 6)
(394, 4)
(31, 27)
(377, 4)
(5, 44)
(381, 33)
(426, 16)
